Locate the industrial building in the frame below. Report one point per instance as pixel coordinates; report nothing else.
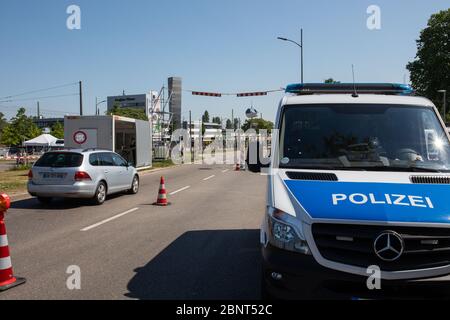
(212, 130)
(137, 101)
(175, 101)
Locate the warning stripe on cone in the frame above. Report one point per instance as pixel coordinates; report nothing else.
(3, 241)
(5, 264)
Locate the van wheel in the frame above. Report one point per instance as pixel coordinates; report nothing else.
(100, 194)
(44, 200)
(134, 186)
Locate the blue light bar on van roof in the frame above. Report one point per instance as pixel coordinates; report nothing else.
(344, 88)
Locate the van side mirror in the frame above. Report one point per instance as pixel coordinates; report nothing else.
(253, 160)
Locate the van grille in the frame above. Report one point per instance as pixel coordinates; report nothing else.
(354, 245)
(312, 176)
(430, 180)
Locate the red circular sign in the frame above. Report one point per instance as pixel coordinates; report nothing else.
(79, 137)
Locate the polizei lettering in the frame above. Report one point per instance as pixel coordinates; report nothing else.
(386, 199)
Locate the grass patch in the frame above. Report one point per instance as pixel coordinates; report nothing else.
(13, 181)
(162, 164)
(22, 167)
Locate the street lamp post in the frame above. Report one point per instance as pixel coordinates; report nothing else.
(301, 49)
(444, 92)
(97, 110)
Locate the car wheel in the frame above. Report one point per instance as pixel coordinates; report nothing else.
(100, 194)
(134, 185)
(44, 200)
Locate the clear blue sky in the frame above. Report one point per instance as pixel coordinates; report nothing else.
(220, 46)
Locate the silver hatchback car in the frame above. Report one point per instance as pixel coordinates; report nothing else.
(87, 173)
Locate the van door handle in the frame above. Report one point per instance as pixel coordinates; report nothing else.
(106, 171)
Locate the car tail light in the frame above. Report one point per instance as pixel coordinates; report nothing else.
(81, 176)
(30, 175)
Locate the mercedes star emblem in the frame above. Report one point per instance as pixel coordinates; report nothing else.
(389, 246)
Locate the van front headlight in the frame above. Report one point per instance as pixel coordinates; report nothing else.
(282, 233)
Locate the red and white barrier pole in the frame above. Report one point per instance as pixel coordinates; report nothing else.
(7, 279)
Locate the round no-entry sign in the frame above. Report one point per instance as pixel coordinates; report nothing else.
(80, 137)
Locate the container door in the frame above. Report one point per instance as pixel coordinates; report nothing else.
(143, 144)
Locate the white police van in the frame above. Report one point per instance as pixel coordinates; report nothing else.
(359, 181)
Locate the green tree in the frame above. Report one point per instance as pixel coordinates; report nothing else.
(217, 120)
(258, 124)
(430, 71)
(58, 130)
(236, 123)
(133, 113)
(20, 129)
(3, 123)
(229, 124)
(205, 117)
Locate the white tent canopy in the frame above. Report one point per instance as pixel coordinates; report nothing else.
(45, 140)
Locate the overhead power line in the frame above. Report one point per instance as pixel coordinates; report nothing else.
(39, 90)
(41, 98)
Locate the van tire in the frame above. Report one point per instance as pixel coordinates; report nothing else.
(100, 194)
(44, 200)
(134, 185)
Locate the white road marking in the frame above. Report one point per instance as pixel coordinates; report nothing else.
(182, 189)
(225, 171)
(108, 220)
(206, 179)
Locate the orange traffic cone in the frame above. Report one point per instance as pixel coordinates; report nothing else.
(162, 195)
(7, 279)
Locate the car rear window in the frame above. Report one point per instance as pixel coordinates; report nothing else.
(60, 160)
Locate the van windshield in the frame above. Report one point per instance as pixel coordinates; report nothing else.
(363, 137)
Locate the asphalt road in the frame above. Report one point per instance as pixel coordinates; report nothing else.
(204, 246)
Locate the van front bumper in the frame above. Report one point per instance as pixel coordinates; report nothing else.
(77, 190)
(302, 278)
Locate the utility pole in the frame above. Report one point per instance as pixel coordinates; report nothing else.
(232, 119)
(190, 138)
(38, 111)
(81, 97)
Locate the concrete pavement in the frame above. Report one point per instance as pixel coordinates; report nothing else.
(204, 246)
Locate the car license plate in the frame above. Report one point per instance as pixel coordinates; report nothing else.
(53, 175)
